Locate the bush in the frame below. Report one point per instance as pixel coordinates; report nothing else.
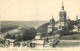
(29, 34)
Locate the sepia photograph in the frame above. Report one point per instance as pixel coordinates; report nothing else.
(39, 25)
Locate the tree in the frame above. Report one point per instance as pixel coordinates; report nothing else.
(13, 36)
(29, 34)
(70, 25)
(43, 29)
(7, 36)
(19, 37)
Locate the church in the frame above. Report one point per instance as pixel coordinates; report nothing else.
(51, 25)
(62, 21)
(62, 17)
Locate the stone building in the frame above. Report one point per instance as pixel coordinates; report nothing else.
(68, 21)
(51, 25)
(62, 17)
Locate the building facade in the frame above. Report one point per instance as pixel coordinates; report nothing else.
(62, 17)
(51, 25)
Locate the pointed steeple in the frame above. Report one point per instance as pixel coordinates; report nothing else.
(52, 17)
(62, 6)
(52, 20)
(76, 17)
(62, 3)
(68, 17)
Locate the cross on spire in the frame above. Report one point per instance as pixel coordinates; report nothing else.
(77, 17)
(52, 17)
(62, 6)
(68, 17)
(62, 3)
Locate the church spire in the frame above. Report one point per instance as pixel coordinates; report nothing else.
(62, 6)
(76, 17)
(52, 17)
(68, 17)
(62, 3)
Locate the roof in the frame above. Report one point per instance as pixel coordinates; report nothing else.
(38, 41)
(37, 37)
(57, 35)
(52, 20)
(75, 30)
(62, 12)
(7, 39)
(75, 27)
(11, 40)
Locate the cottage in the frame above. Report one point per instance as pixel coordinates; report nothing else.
(75, 29)
(37, 41)
(7, 43)
(12, 43)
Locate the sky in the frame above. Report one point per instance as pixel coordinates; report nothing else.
(37, 10)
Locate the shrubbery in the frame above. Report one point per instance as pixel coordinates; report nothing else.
(29, 34)
(43, 29)
(25, 34)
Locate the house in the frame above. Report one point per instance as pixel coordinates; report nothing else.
(37, 41)
(12, 43)
(7, 42)
(75, 29)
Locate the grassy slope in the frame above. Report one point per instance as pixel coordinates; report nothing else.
(71, 37)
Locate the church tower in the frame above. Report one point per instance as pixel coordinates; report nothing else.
(52, 22)
(51, 25)
(62, 17)
(76, 18)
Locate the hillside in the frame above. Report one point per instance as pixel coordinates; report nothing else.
(10, 24)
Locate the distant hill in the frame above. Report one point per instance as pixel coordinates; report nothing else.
(26, 23)
(39, 25)
(34, 24)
